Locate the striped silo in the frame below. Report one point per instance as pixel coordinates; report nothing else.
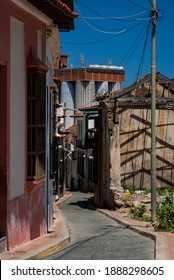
(78, 94)
(101, 87)
(113, 86)
(67, 97)
(84, 93)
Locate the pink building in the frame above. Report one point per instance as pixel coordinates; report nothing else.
(24, 29)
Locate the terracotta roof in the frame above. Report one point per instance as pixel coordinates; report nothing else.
(65, 8)
(78, 115)
(61, 12)
(89, 108)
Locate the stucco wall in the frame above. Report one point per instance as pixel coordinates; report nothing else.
(17, 108)
(22, 210)
(4, 85)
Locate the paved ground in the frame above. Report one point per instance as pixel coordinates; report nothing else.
(93, 236)
(59, 237)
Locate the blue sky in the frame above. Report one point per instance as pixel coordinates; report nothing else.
(117, 32)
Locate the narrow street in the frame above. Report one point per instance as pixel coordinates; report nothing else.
(95, 236)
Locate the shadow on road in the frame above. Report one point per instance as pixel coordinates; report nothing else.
(82, 204)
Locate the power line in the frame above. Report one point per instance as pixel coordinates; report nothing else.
(135, 4)
(92, 42)
(108, 32)
(133, 47)
(100, 16)
(144, 30)
(116, 18)
(143, 52)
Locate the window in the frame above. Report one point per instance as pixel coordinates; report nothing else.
(36, 120)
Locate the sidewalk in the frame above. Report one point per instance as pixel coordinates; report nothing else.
(164, 241)
(46, 245)
(59, 237)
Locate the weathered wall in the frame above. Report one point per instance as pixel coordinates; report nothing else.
(135, 145)
(123, 148)
(106, 151)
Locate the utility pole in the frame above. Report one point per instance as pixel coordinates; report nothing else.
(153, 114)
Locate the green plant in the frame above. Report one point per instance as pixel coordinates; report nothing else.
(138, 211)
(165, 190)
(130, 188)
(165, 214)
(145, 191)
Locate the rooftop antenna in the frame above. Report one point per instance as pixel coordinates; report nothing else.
(109, 61)
(82, 60)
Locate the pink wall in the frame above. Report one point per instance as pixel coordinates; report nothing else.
(23, 218)
(26, 219)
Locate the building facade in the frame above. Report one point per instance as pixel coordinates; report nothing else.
(123, 146)
(78, 87)
(24, 86)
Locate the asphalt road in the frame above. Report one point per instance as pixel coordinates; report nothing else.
(97, 237)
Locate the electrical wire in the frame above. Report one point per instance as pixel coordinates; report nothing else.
(107, 32)
(150, 1)
(160, 16)
(135, 4)
(143, 52)
(124, 18)
(92, 42)
(98, 41)
(144, 31)
(115, 18)
(133, 47)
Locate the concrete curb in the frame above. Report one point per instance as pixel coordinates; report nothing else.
(159, 241)
(59, 236)
(63, 199)
(53, 241)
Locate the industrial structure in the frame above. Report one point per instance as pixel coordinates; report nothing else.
(78, 87)
(76, 107)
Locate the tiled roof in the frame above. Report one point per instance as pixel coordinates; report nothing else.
(61, 12)
(65, 8)
(89, 108)
(78, 115)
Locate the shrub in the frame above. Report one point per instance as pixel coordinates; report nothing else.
(130, 188)
(165, 190)
(165, 214)
(138, 211)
